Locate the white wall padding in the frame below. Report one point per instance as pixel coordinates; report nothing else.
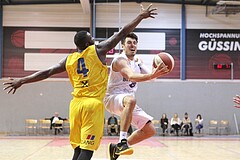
(169, 16)
(51, 15)
(50, 39)
(41, 61)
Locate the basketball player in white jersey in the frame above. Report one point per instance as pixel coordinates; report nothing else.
(125, 71)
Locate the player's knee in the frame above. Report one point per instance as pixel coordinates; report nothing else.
(149, 130)
(152, 132)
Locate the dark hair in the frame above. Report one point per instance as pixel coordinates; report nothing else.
(199, 116)
(130, 35)
(80, 39)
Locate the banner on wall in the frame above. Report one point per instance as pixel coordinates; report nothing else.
(219, 42)
(27, 50)
(212, 54)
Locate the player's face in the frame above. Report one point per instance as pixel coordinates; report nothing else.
(130, 47)
(90, 39)
(175, 115)
(164, 115)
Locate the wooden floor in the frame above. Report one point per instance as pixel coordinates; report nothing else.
(155, 148)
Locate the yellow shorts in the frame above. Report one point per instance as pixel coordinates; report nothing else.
(86, 122)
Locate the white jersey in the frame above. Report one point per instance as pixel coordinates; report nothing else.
(119, 87)
(117, 84)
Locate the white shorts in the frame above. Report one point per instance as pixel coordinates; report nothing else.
(114, 105)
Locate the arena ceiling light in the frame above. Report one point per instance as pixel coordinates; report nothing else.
(226, 7)
(235, 3)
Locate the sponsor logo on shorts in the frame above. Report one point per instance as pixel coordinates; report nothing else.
(91, 137)
(89, 140)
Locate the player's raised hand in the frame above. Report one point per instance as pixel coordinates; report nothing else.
(236, 100)
(148, 12)
(12, 85)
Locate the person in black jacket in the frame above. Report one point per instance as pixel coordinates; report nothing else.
(164, 123)
(55, 118)
(186, 125)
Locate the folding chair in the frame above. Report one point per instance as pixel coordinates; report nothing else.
(156, 124)
(223, 127)
(213, 126)
(30, 126)
(66, 126)
(44, 126)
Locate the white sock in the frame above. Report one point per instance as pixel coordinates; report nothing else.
(123, 135)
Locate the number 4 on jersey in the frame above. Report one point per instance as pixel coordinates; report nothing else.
(81, 68)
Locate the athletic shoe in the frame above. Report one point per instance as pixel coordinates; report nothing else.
(111, 151)
(123, 149)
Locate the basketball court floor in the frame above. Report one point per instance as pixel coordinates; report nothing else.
(155, 148)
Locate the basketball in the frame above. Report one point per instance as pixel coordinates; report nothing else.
(165, 58)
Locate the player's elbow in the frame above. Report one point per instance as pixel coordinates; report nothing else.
(45, 74)
(132, 78)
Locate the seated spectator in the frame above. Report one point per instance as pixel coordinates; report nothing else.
(112, 125)
(199, 123)
(175, 124)
(186, 125)
(164, 123)
(53, 119)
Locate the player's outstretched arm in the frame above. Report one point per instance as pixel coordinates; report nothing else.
(110, 43)
(14, 84)
(236, 100)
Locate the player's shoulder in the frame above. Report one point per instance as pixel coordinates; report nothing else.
(120, 57)
(72, 55)
(119, 60)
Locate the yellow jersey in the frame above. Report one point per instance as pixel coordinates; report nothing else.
(87, 74)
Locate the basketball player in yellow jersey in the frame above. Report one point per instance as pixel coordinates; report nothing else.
(86, 106)
(87, 72)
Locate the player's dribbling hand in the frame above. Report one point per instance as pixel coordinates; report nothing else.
(12, 85)
(148, 12)
(160, 70)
